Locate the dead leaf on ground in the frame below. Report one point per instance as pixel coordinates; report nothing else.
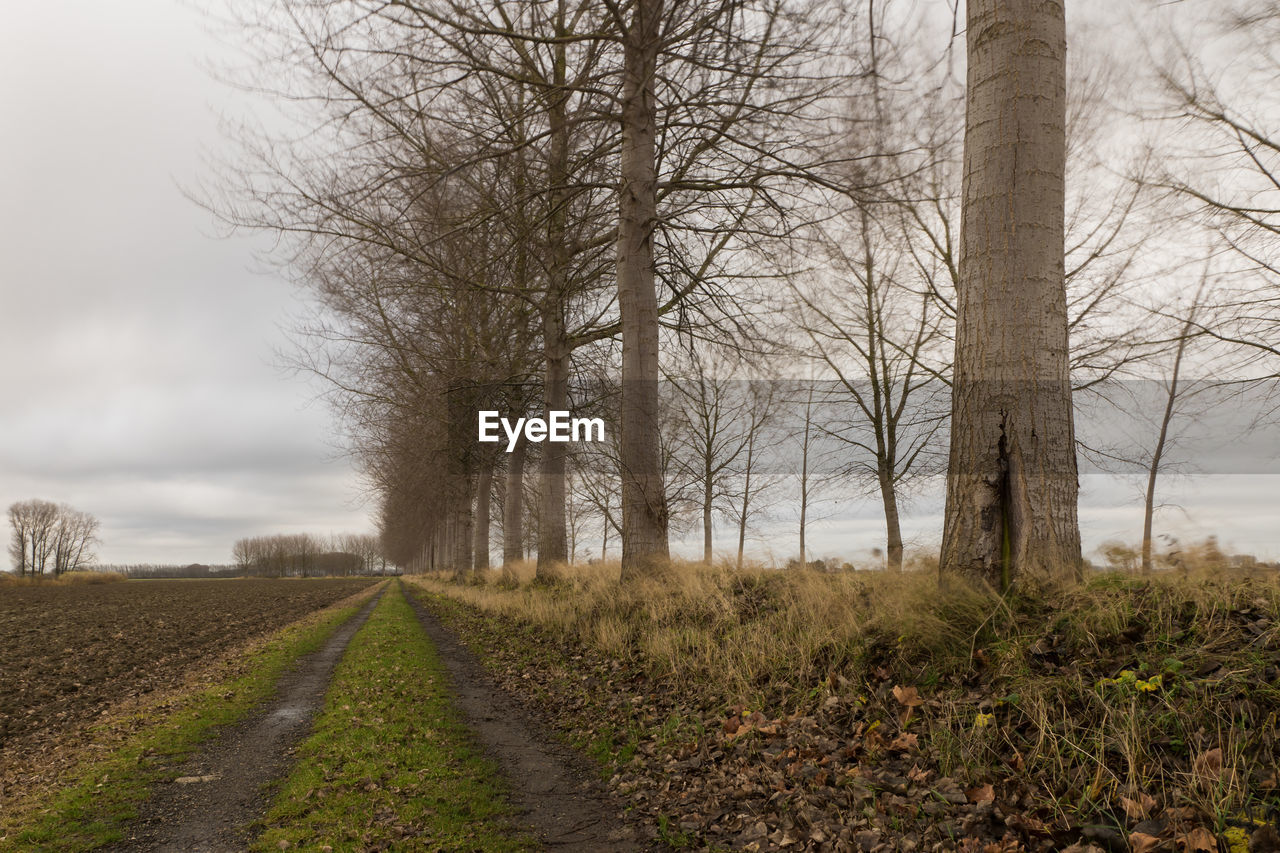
(1208, 765)
(1199, 840)
(1137, 808)
(981, 794)
(908, 696)
(905, 741)
(1140, 842)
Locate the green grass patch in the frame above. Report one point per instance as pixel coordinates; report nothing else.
(100, 796)
(390, 764)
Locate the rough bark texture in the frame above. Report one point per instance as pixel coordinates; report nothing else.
(462, 527)
(552, 520)
(513, 506)
(484, 494)
(1012, 485)
(553, 548)
(644, 505)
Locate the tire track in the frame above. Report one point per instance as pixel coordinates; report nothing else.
(563, 802)
(220, 792)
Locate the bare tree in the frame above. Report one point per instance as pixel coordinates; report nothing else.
(644, 505)
(1222, 157)
(715, 408)
(74, 538)
(49, 537)
(711, 110)
(1012, 485)
(755, 481)
(879, 337)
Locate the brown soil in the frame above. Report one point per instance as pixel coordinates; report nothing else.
(220, 792)
(71, 652)
(561, 795)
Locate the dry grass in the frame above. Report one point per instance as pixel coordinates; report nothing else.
(65, 579)
(1118, 686)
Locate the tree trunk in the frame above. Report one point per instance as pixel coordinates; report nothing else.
(893, 527)
(513, 506)
(552, 533)
(746, 497)
(644, 505)
(462, 528)
(1012, 483)
(1149, 505)
(706, 519)
(552, 520)
(804, 477)
(484, 495)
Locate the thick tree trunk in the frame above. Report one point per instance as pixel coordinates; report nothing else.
(644, 505)
(552, 519)
(513, 506)
(552, 522)
(462, 527)
(1012, 484)
(484, 496)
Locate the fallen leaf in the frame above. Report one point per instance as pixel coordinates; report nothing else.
(1137, 809)
(915, 774)
(1140, 842)
(981, 794)
(905, 741)
(908, 696)
(1199, 840)
(1208, 765)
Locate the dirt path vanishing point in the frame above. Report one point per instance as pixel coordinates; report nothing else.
(561, 797)
(220, 791)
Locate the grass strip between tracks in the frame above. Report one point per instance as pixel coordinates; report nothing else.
(100, 796)
(391, 765)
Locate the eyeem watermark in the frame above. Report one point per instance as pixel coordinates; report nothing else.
(558, 427)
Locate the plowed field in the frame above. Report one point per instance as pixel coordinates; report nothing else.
(69, 652)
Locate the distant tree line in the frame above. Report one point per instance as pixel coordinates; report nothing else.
(306, 555)
(49, 538)
(153, 570)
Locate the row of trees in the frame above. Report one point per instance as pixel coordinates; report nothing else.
(164, 571)
(308, 555)
(619, 207)
(49, 538)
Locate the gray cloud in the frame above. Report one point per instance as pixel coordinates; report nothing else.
(136, 350)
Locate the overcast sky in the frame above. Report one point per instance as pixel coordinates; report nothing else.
(137, 349)
(137, 360)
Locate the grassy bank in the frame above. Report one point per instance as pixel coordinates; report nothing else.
(390, 765)
(90, 804)
(1124, 705)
